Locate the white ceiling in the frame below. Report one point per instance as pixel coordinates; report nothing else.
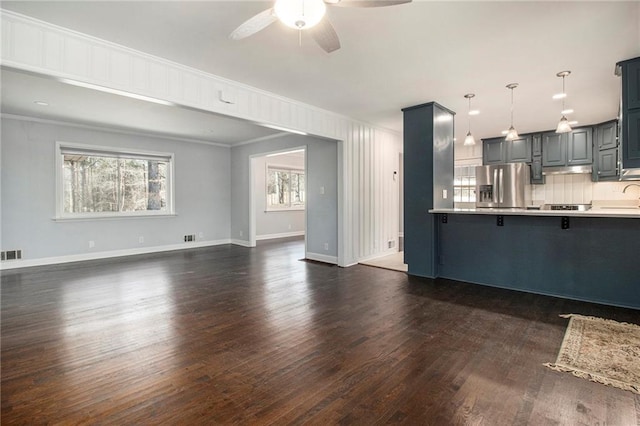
(392, 57)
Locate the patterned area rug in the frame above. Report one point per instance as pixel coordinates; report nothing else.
(601, 350)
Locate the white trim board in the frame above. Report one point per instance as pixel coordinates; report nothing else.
(321, 258)
(28, 263)
(379, 255)
(280, 235)
(242, 243)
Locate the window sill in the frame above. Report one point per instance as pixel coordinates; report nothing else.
(118, 217)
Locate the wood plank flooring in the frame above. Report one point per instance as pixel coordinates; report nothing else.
(231, 335)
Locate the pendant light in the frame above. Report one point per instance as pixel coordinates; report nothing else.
(469, 140)
(512, 134)
(563, 125)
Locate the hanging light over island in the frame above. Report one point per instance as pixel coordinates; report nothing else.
(563, 125)
(512, 134)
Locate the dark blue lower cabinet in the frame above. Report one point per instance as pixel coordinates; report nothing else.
(594, 260)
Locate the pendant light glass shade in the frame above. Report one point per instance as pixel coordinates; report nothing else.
(512, 134)
(469, 140)
(563, 125)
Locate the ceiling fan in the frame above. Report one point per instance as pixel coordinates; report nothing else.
(305, 15)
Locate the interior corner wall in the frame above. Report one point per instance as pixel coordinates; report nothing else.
(322, 209)
(275, 223)
(201, 181)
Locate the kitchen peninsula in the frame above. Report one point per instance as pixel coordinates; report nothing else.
(591, 256)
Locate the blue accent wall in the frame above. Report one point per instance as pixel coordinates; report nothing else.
(596, 259)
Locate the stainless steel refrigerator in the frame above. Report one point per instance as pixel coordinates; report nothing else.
(501, 186)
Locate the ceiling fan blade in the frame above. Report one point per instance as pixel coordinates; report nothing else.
(365, 3)
(253, 25)
(326, 37)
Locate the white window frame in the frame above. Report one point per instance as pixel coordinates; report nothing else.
(113, 152)
(470, 164)
(289, 169)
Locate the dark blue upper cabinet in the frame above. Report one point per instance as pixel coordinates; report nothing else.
(536, 141)
(518, 150)
(493, 151)
(580, 147)
(631, 83)
(630, 125)
(554, 149)
(606, 135)
(567, 149)
(605, 151)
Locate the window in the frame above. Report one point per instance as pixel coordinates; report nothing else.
(464, 184)
(106, 182)
(285, 189)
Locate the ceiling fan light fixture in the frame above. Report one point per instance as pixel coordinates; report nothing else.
(300, 14)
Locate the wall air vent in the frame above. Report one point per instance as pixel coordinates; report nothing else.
(11, 255)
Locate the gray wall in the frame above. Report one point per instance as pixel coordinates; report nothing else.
(322, 171)
(202, 193)
(269, 223)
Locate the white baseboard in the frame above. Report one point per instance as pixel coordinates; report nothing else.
(280, 235)
(242, 243)
(378, 255)
(322, 258)
(27, 263)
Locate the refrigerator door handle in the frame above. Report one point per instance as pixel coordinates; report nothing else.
(501, 186)
(494, 196)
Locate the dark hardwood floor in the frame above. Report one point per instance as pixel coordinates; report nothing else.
(231, 335)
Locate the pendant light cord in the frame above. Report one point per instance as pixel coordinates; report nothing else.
(563, 92)
(469, 114)
(512, 106)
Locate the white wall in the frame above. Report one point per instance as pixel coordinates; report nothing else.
(368, 198)
(202, 194)
(275, 224)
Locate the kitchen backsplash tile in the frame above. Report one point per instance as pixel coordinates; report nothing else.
(577, 189)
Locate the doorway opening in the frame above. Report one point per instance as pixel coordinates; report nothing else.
(278, 195)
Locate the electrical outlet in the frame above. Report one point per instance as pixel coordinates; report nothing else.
(92, 244)
(201, 235)
(322, 190)
(326, 246)
(141, 239)
(444, 194)
(289, 226)
(241, 233)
